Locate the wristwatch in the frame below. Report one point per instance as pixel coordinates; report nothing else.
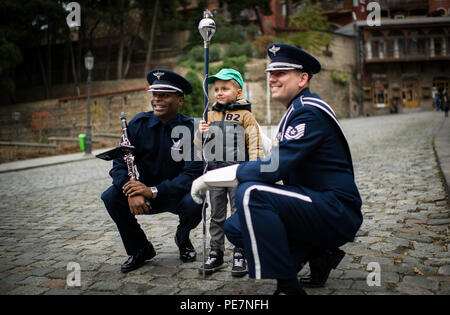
(154, 192)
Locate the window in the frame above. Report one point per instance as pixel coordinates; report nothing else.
(389, 48)
(401, 47)
(421, 44)
(380, 94)
(412, 46)
(438, 46)
(375, 49)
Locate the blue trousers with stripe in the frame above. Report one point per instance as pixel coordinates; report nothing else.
(133, 237)
(281, 227)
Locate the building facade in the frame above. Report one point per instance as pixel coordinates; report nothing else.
(401, 63)
(404, 60)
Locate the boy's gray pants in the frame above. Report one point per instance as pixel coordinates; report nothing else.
(219, 202)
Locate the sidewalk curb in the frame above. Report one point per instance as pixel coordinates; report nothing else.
(47, 161)
(441, 147)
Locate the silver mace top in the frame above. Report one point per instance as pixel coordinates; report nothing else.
(207, 27)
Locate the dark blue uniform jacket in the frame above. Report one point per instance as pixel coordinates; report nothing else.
(311, 152)
(153, 156)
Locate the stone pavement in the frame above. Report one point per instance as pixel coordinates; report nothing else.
(52, 216)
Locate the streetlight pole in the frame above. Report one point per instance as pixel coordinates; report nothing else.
(89, 64)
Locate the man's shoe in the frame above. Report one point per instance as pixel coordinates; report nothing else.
(213, 263)
(279, 292)
(239, 268)
(187, 251)
(320, 267)
(138, 260)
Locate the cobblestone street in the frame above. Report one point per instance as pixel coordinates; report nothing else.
(51, 216)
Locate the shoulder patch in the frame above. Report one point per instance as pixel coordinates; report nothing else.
(295, 133)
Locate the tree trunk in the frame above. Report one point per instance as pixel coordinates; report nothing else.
(80, 44)
(66, 62)
(120, 53)
(49, 61)
(74, 70)
(258, 18)
(131, 47)
(108, 52)
(152, 36)
(43, 74)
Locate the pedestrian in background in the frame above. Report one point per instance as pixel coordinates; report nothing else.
(445, 102)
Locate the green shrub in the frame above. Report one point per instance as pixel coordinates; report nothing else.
(196, 53)
(214, 52)
(238, 49)
(193, 103)
(337, 78)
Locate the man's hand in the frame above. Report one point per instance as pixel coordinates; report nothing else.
(135, 188)
(138, 205)
(199, 188)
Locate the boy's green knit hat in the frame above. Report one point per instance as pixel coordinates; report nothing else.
(227, 74)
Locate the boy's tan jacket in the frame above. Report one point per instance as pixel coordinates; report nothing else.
(236, 114)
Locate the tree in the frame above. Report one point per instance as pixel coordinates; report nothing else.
(10, 57)
(309, 16)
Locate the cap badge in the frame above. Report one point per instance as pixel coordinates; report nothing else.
(158, 75)
(274, 50)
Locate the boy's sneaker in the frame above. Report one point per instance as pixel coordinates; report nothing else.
(213, 263)
(239, 268)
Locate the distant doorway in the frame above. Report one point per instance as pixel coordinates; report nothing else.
(410, 94)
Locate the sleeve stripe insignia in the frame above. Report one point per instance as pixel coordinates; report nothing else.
(295, 133)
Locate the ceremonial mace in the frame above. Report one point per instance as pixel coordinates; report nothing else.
(207, 28)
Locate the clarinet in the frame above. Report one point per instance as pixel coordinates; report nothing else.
(128, 158)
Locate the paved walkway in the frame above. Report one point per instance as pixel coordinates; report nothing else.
(52, 218)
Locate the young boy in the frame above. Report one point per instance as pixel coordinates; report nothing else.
(234, 129)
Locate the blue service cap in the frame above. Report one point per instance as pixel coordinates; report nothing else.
(287, 57)
(162, 80)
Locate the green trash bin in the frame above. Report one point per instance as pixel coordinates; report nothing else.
(82, 141)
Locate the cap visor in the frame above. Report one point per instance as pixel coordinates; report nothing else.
(280, 69)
